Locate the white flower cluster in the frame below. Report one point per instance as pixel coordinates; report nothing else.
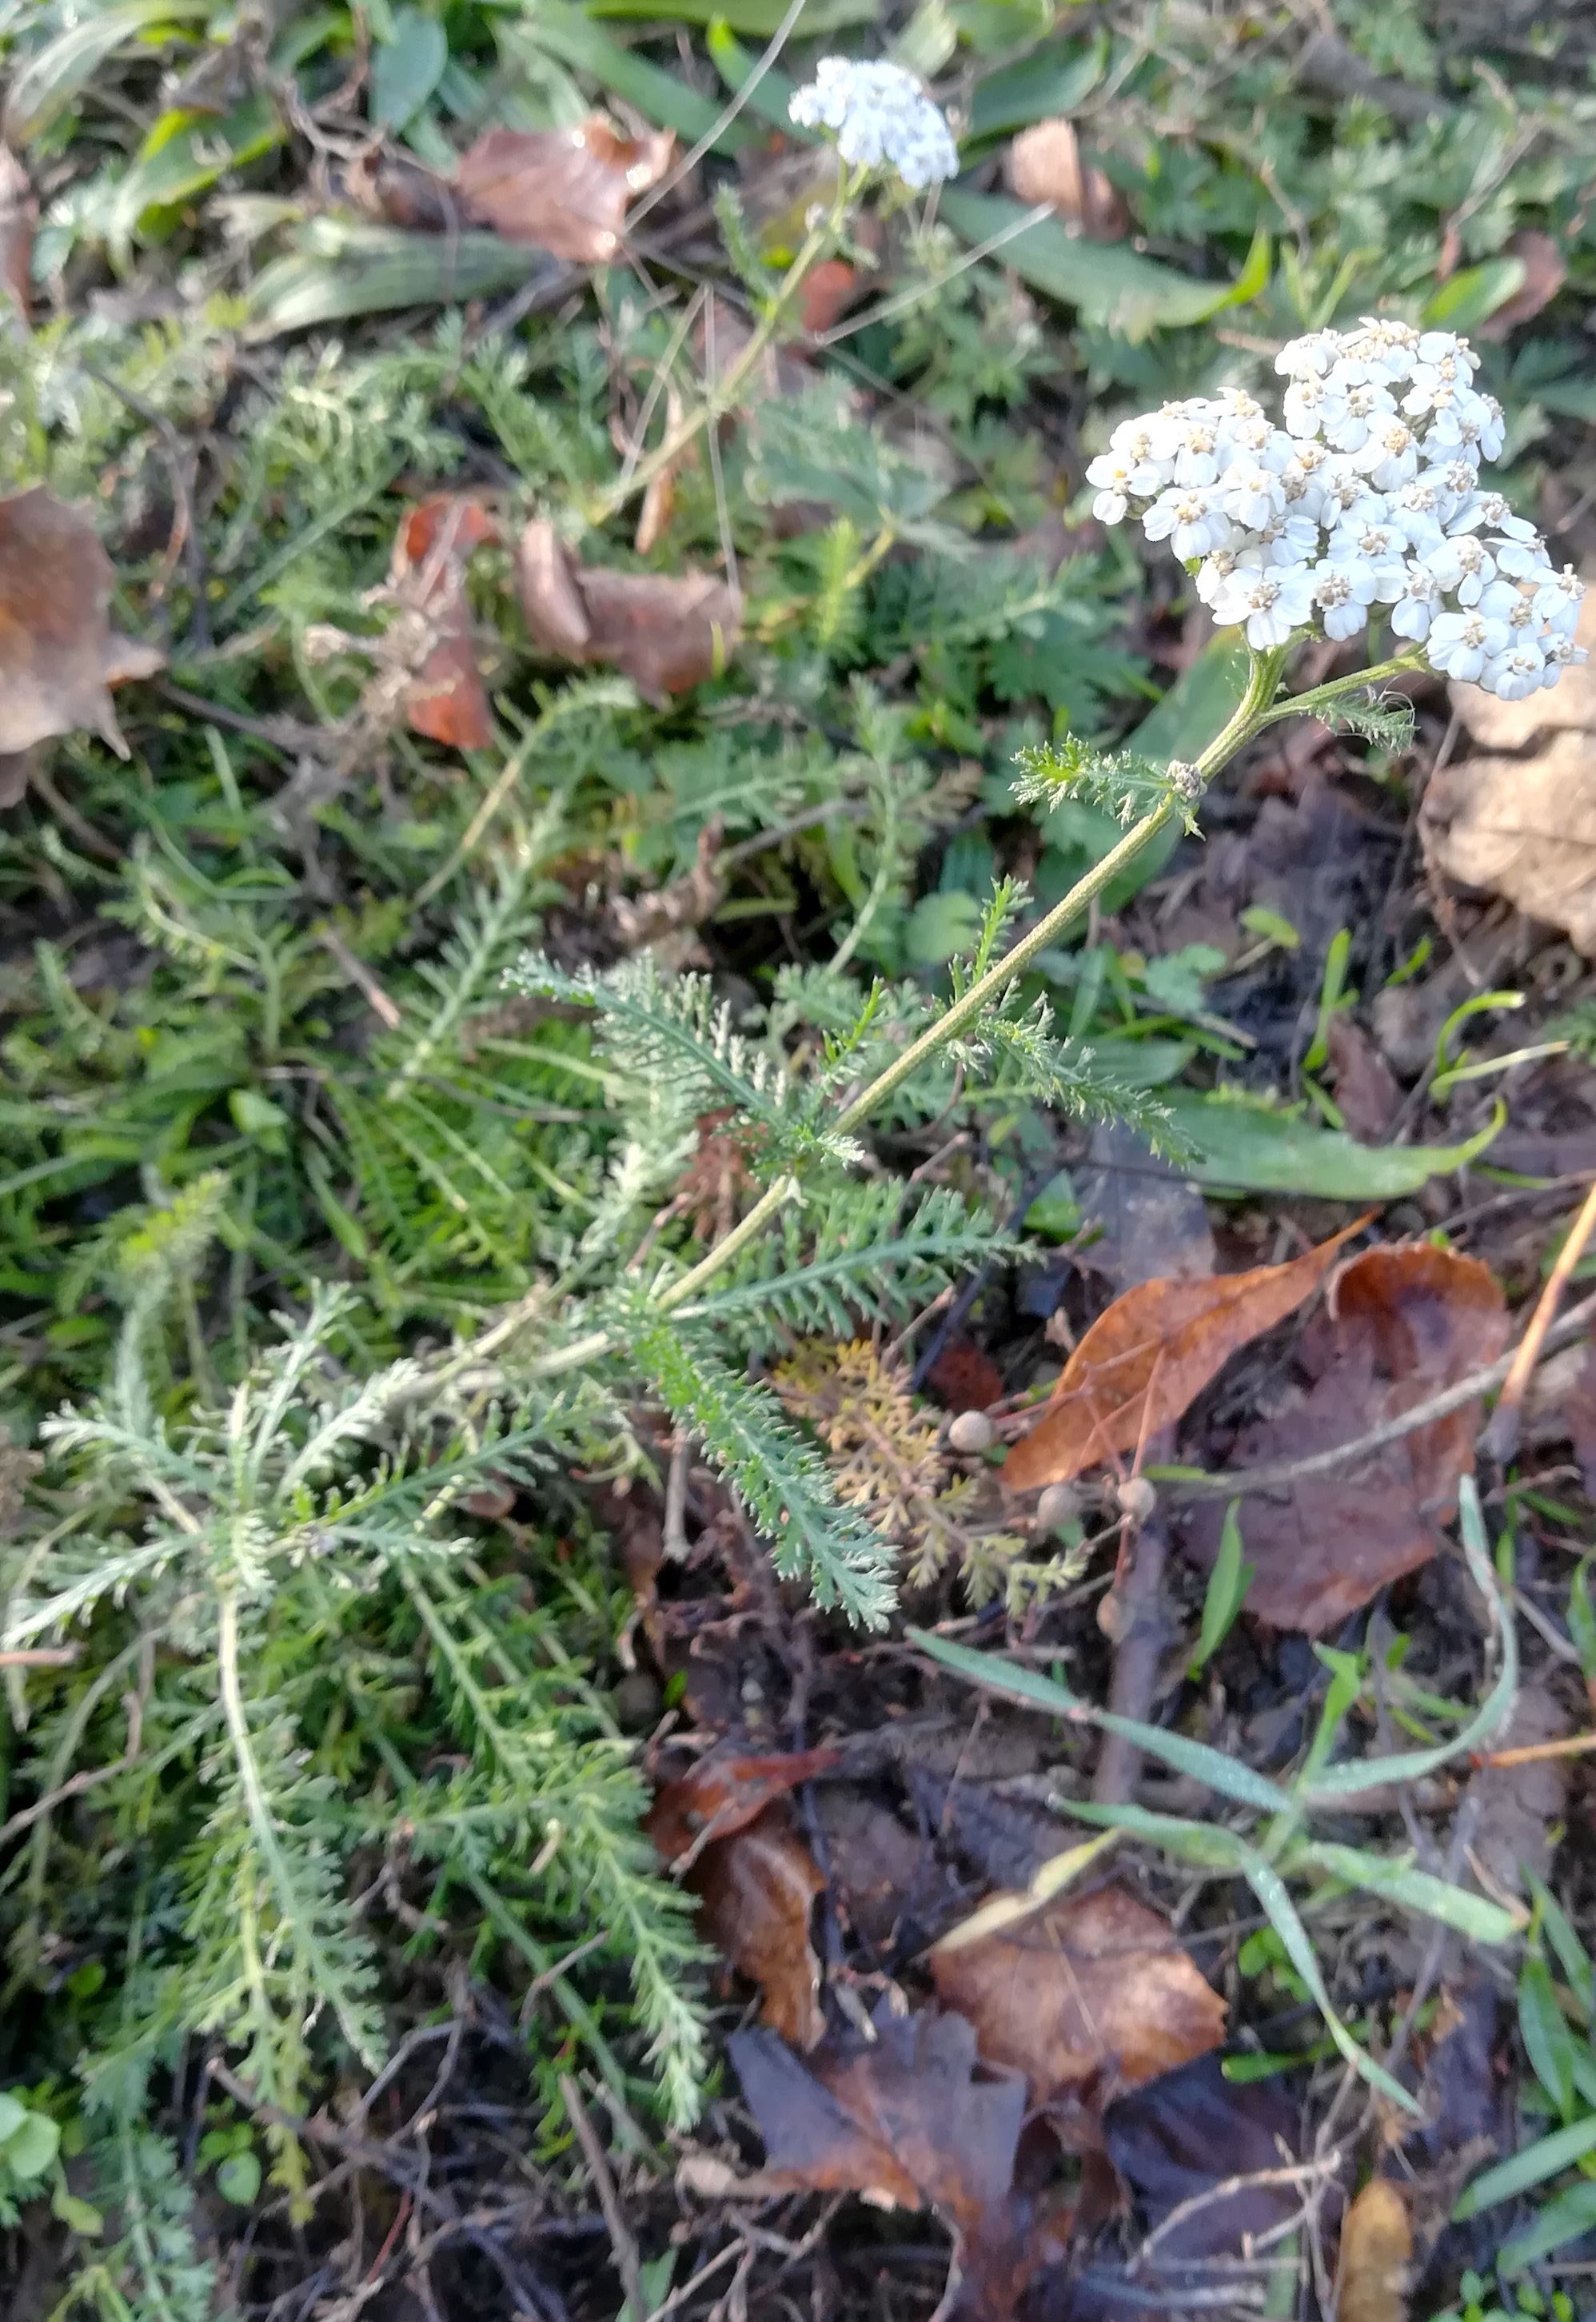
(882, 118)
(1368, 495)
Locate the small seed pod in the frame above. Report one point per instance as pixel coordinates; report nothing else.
(1137, 1498)
(971, 1430)
(1060, 1505)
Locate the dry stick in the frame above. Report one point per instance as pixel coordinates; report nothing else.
(620, 2238)
(1530, 1753)
(1138, 1649)
(41, 1657)
(1501, 1438)
(1318, 1463)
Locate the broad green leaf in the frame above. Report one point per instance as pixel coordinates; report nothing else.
(12, 2113)
(769, 96)
(31, 2149)
(1207, 1844)
(183, 154)
(341, 269)
(406, 70)
(1472, 295)
(1105, 281)
(569, 34)
(48, 82)
(1548, 2156)
(1561, 2221)
(1248, 1145)
(1472, 1915)
(1050, 82)
(1549, 2041)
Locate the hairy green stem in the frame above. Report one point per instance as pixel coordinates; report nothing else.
(1320, 696)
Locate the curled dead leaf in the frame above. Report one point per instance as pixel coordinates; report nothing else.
(1408, 1320)
(1045, 164)
(565, 189)
(1144, 1360)
(756, 1890)
(665, 631)
(1087, 1986)
(723, 1792)
(58, 655)
(445, 698)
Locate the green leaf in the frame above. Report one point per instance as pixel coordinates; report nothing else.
(406, 70)
(1473, 1916)
(1561, 2221)
(183, 154)
(756, 20)
(941, 926)
(1226, 1593)
(1052, 81)
(1106, 282)
(1244, 1144)
(1556, 1927)
(1270, 1889)
(1473, 294)
(1581, 1618)
(572, 36)
(30, 2150)
(238, 2180)
(1548, 2156)
(1549, 2041)
(339, 268)
(47, 83)
(1229, 1775)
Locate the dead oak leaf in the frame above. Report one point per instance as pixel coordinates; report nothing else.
(1523, 828)
(58, 655)
(756, 1891)
(1144, 1361)
(1408, 1319)
(723, 1792)
(665, 631)
(564, 190)
(1087, 1986)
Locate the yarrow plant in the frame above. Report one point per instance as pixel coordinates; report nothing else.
(1369, 497)
(882, 119)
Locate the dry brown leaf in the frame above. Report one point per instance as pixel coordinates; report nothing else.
(1408, 1320)
(1367, 1091)
(565, 189)
(663, 630)
(59, 655)
(1525, 827)
(1376, 2252)
(723, 1792)
(1045, 164)
(1089, 1985)
(445, 698)
(19, 215)
(756, 1891)
(1162, 1343)
(1545, 271)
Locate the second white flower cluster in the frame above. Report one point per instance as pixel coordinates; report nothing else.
(1368, 496)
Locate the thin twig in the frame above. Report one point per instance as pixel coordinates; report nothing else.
(1501, 1438)
(1140, 1634)
(41, 1657)
(620, 2237)
(360, 975)
(1391, 1430)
